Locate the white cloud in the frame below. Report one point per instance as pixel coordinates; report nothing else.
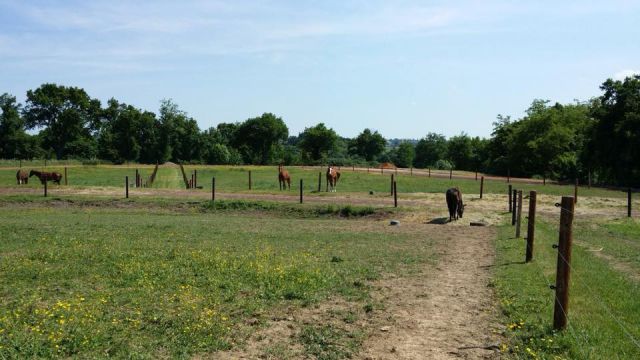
(621, 75)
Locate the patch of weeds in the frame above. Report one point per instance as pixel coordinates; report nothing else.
(336, 259)
(368, 308)
(327, 342)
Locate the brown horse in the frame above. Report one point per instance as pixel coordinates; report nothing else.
(283, 176)
(22, 176)
(46, 176)
(333, 176)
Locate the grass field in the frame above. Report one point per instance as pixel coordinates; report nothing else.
(265, 180)
(604, 311)
(148, 282)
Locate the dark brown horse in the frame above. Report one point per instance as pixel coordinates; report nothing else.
(46, 176)
(283, 176)
(333, 176)
(454, 203)
(22, 176)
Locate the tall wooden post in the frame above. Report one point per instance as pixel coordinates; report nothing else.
(66, 182)
(589, 179)
(319, 181)
(301, 187)
(353, 167)
(126, 187)
(481, 186)
(514, 213)
(45, 188)
(137, 178)
(575, 192)
(391, 184)
(508, 175)
(195, 178)
(429, 172)
(411, 171)
(20, 163)
(531, 226)
(213, 188)
(395, 194)
(476, 175)
(510, 189)
(519, 218)
(249, 179)
(381, 170)
(561, 308)
(450, 173)
(396, 170)
(629, 202)
(193, 183)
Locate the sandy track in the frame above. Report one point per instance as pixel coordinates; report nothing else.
(448, 312)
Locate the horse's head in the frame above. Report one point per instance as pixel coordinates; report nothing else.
(460, 208)
(31, 173)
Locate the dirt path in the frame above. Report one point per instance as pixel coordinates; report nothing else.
(448, 313)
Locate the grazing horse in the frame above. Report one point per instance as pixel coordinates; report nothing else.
(46, 176)
(283, 176)
(454, 203)
(333, 176)
(22, 176)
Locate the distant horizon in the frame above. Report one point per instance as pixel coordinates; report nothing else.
(404, 69)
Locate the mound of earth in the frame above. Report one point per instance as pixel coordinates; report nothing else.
(170, 164)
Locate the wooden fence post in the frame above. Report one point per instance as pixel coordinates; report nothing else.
(301, 187)
(589, 179)
(66, 182)
(249, 179)
(508, 176)
(395, 194)
(319, 181)
(195, 178)
(193, 182)
(476, 175)
(126, 187)
(137, 178)
(381, 170)
(531, 226)
(510, 188)
(367, 169)
(450, 173)
(544, 180)
(575, 192)
(45, 188)
(514, 213)
(411, 171)
(561, 308)
(391, 184)
(629, 202)
(396, 170)
(519, 218)
(481, 186)
(213, 189)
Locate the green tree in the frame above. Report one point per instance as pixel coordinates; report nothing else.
(316, 142)
(615, 137)
(404, 154)
(179, 134)
(430, 149)
(368, 145)
(68, 117)
(260, 139)
(15, 143)
(460, 152)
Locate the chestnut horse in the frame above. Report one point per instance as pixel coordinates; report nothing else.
(283, 176)
(46, 176)
(22, 176)
(333, 176)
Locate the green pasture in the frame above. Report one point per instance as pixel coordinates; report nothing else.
(129, 280)
(264, 179)
(604, 311)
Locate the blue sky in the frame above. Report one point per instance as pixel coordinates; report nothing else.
(404, 68)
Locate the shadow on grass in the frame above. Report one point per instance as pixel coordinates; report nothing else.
(439, 221)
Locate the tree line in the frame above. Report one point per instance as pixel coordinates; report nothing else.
(598, 138)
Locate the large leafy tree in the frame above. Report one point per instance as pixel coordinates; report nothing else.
(368, 145)
(260, 139)
(15, 143)
(179, 134)
(460, 152)
(68, 117)
(317, 141)
(127, 134)
(615, 143)
(430, 149)
(404, 154)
